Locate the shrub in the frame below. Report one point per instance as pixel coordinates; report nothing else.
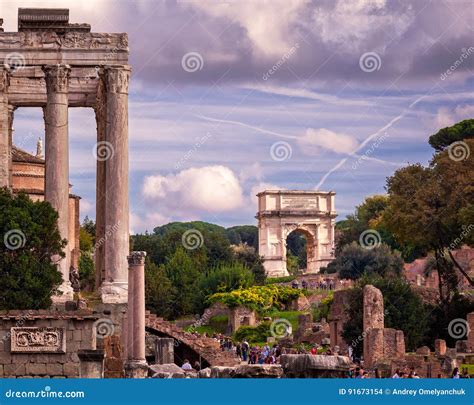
(259, 298)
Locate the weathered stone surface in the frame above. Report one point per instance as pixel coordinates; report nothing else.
(301, 364)
(222, 372)
(282, 212)
(37, 339)
(440, 347)
(207, 349)
(258, 371)
(338, 317)
(470, 336)
(424, 351)
(165, 371)
(205, 373)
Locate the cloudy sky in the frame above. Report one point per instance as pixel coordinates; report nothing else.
(229, 98)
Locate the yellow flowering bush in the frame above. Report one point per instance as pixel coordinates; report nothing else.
(257, 297)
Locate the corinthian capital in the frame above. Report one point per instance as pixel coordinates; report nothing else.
(136, 258)
(57, 78)
(116, 79)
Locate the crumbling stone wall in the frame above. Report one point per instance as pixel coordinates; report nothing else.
(79, 334)
(338, 317)
(379, 342)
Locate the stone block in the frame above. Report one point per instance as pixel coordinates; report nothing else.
(71, 370)
(424, 351)
(440, 347)
(5, 358)
(54, 369)
(77, 335)
(36, 369)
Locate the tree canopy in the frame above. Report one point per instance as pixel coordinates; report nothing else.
(446, 136)
(30, 237)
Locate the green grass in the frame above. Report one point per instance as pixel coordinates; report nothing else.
(291, 316)
(470, 368)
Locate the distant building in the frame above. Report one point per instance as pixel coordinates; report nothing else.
(28, 177)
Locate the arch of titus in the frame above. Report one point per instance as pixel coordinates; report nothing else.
(55, 65)
(281, 212)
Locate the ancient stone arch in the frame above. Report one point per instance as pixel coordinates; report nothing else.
(281, 212)
(190, 346)
(53, 64)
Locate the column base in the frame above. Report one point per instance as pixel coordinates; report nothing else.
(136, 369)
(114, 292)
(67, 293)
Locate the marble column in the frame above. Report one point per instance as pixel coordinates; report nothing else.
(11, 113)
(5, 151)
(57, 161)
(136, 366)
(114, 152)
(101, 185)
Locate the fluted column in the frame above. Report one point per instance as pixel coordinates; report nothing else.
(57, 160)
(114, 151)
(5, 151)
(136, 366)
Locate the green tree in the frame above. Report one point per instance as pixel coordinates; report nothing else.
(354, 261)
(225, 278)
(243, 234)
(30, 237)
(446, 136)
(404, 310)
(184, 275)
(160, 294)
(249, 257)
(428, 208)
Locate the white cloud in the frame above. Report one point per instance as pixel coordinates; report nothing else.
(204, 189)
(446, 117)
(316, 140)
(258, 188)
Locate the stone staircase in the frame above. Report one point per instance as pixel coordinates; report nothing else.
(208, 348)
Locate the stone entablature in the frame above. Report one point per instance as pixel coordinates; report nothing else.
(281, 212)
(53, 64)
(42, 340)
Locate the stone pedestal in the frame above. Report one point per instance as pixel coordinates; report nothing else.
(136, 363)
(92, 363)
(57, 161)
(136, 369)
(164, 351)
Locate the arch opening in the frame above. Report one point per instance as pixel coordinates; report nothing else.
(300, 251)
